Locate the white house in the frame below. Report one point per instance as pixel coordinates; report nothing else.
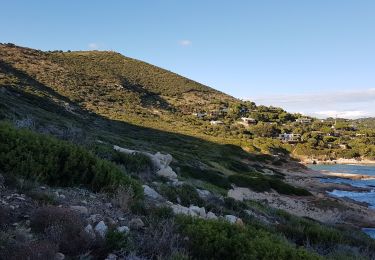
(290, 138)
(213, 122)
(304, 120)
(248, 120)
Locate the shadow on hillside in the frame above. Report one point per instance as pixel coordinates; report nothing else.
(28, 80)
(148, 98)
(19, 103)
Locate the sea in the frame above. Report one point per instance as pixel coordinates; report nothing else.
(367, 197)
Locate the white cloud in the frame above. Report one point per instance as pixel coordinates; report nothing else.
(341, 114)
(347, 104)
(185, 43)
(93, 46)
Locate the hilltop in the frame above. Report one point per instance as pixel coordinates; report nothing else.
(145, 164)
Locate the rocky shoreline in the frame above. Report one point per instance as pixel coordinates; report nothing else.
(360, 161)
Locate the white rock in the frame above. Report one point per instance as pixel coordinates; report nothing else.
(211, 215)
(101, 228)
(94, 218)
(203, 193)
(90, 231)
(136, 223)
(199, 211)
(230, 218)
(123, 229)
(178, 209)
(80, 209)
(167, 172)
(150, 192)
(59, 256)
(111, 257)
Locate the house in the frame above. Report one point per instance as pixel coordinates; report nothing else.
(213, 122)
(248, 121)
(200, 114)
(290, 138)
(304, 120)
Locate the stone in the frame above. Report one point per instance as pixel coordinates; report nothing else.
(90, 231)
(178, 209)
(101, 228)
(111, 257)
(231, 219)
(136, 223)
(203, 193)
(167, 172)
(108, 205)
(81, 209)
(211, 215)
(123, 229)
(59, 256)
(150, 192)
(95, 218)
(199, 211)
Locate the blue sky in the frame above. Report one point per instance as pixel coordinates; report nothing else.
(315, 57)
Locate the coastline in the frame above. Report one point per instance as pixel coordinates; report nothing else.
(338, 161)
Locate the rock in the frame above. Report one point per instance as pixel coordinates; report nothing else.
(178, 209)
(203, 193)
(59, 256)
(101, 228)
(108, 205)
(239, 222)
(230, 218)
(150, 192)
(81, 209)
(111, 257)
(136, 223)
(199, 211)
(90, 231)
(95, 218)
(167, 173)
(211, 215)
(123, 229)
(110, 221)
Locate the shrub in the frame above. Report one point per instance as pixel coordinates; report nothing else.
(133, 163)
(212, 239)
(185, 195)
(115, 240)
(40, 249)
(46, 159)
(124, 197)
(62, 226)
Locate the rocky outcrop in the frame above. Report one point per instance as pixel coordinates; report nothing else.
(160, 162)
(150, 192)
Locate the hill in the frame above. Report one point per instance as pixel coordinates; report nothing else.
(82, 131)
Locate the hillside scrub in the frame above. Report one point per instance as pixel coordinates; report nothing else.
(59, 163)
(215, 239)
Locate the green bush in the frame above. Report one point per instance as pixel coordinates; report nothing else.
(59, 163)
(185, 195)
(212, 239)
(133, 163)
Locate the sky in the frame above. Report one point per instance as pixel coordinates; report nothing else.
(313, 57)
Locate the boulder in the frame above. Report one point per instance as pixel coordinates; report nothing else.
(101, 228)
(136, 223)
(199, 211)
(231, 219)
(178, 209)
(59, 256)
(123, 229)
(167, 172)
(81, 209)
(211, 215)
(203, 193)
(90, 231)
(150, 192)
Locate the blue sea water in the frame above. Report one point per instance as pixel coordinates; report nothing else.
(368, 197)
